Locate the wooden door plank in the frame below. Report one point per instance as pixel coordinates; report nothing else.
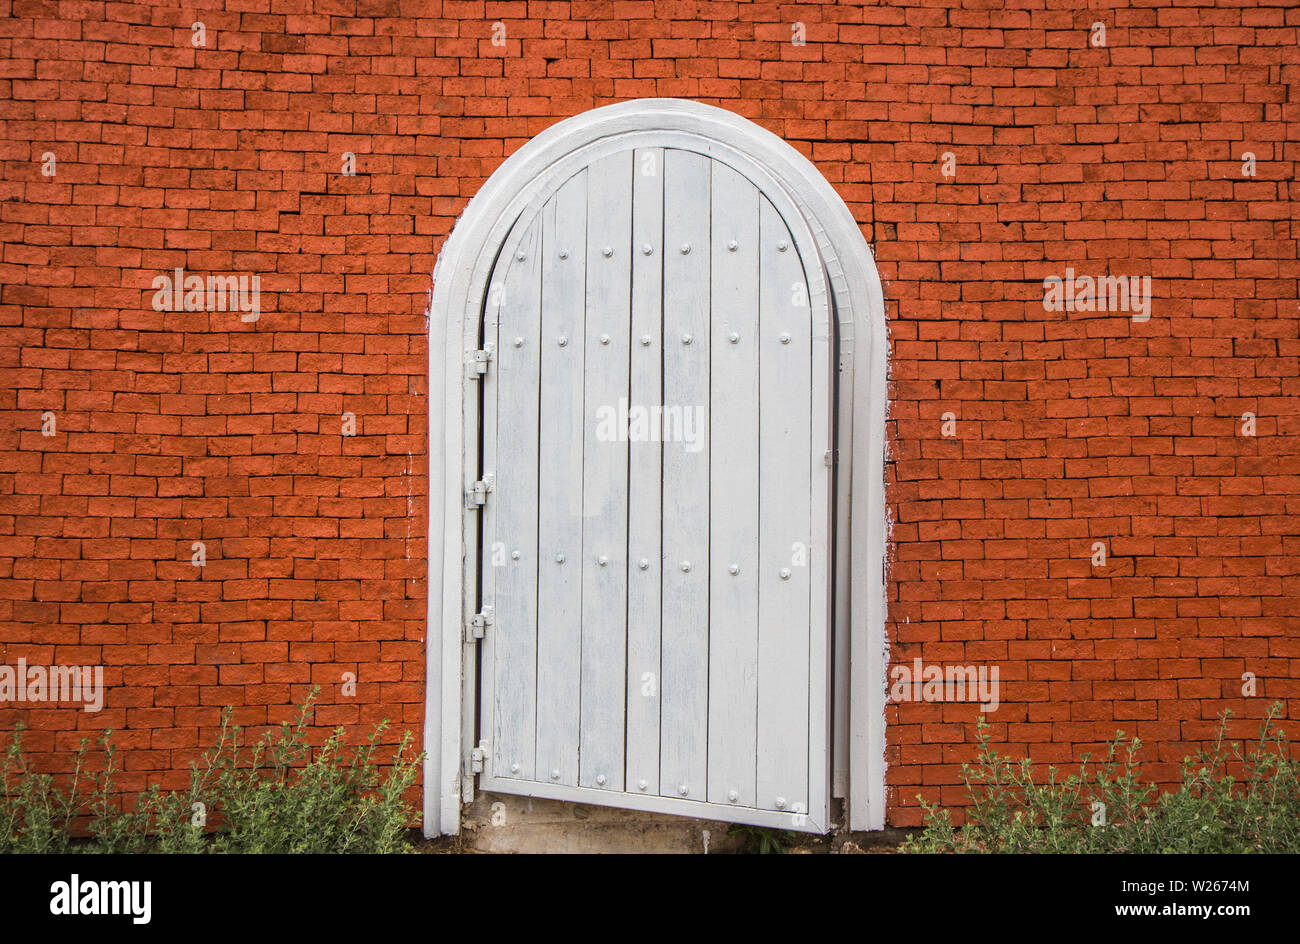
(604, 474)
(510, 515)
(645, 477)
(785, 488)
(733, 490)
(685, 653)
(559, 592)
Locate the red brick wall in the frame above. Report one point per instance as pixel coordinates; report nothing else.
(1071, 427)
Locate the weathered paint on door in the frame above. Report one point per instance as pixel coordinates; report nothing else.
(654, 552)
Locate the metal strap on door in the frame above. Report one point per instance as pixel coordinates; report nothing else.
(655, 581)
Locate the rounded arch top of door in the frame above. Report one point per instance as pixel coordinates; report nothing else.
(844, 288)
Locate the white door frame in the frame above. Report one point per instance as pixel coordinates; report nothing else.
(460, 284)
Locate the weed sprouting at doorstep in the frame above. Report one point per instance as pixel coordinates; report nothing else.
(277, 795)
(1112, 810)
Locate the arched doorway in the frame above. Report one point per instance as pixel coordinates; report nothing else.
(637, 617)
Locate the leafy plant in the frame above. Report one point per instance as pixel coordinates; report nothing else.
(760, 840)
(1109, 809)
(34, 816)
(276, 796)
(284, 800)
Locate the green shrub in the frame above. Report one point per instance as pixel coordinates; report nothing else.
(277, 795)
(761, 840)
(1210, 811)
(34, 816)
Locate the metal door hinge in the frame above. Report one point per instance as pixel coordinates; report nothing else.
(476, 757)
(832, 456)
(477, 493)
(478, 622)
(476, 363)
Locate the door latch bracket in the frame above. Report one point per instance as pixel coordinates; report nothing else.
(478, 623)
(477, 493)
(476, 363)
(477, 756)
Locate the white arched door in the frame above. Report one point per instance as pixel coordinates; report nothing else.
(654, 493)
(684, 422)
